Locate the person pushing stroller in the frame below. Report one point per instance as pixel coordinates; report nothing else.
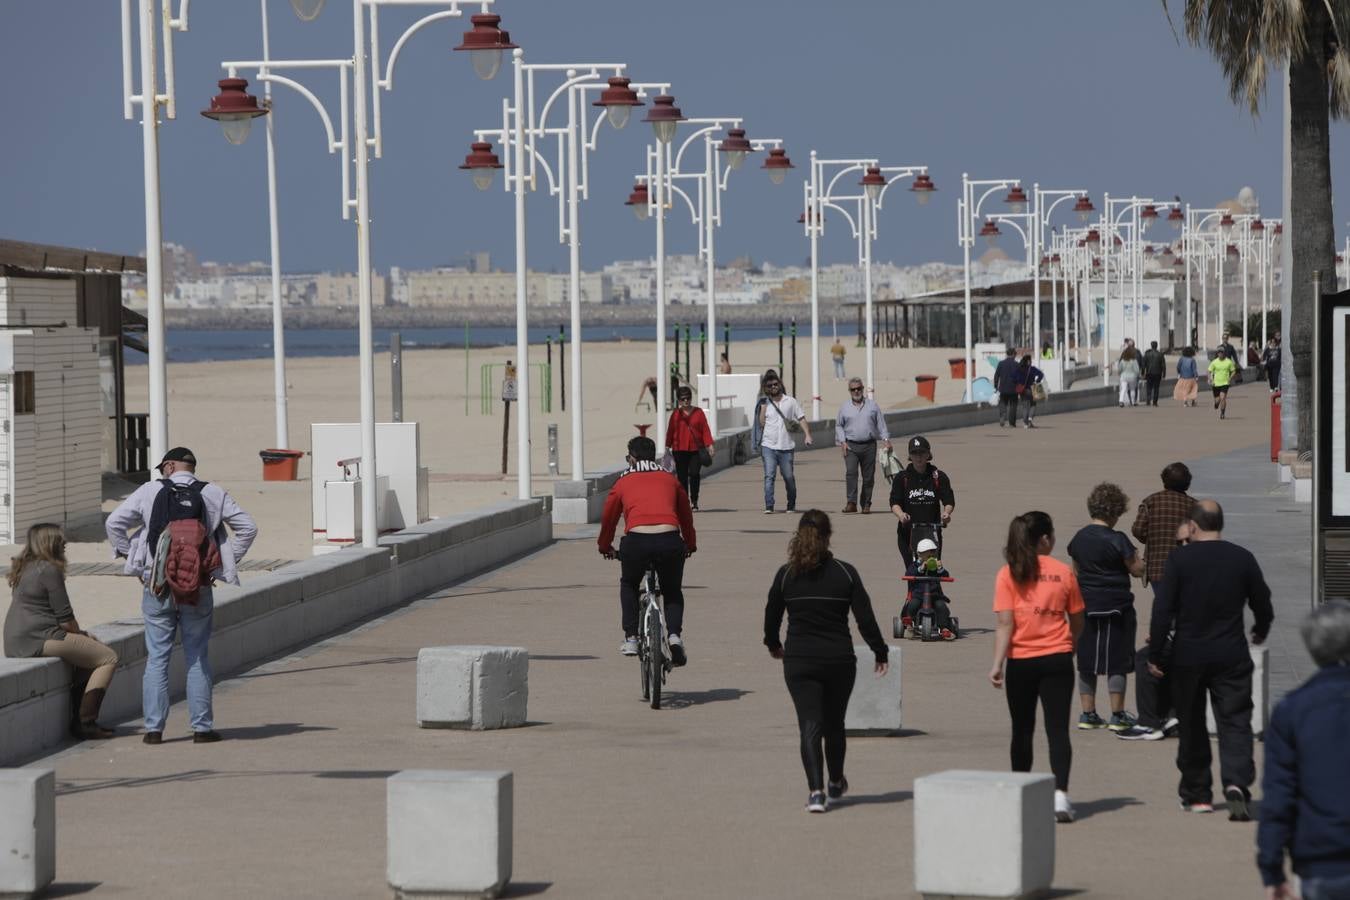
(926, 570)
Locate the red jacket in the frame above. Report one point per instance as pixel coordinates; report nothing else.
(688, 432)
(647, 497)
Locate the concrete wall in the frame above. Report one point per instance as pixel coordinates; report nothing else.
(277, 612)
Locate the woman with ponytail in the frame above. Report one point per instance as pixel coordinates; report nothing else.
(1040, 615)
(817, 592)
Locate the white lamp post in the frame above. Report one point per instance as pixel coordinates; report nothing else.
(570, 184)
(968, 212)
(1043, 205)
(1204, 230)
(484, 38)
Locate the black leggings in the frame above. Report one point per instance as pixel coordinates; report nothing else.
(1051, 680)
(820, 689)
(664, 549)
(688, 471)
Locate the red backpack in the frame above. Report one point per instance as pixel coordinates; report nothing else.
(185, 551)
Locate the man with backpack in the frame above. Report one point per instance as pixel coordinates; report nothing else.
(181, 548)
(921, 494)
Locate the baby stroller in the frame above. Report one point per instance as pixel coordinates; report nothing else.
(924, 625)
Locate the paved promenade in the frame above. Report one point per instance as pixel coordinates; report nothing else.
(703, 799)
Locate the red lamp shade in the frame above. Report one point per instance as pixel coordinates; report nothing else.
(735, 146)
(1094, 237)
(485, 42)
(1179, 261)
(1149, 214)
(1055, 260)
(1257, 227)
(1175, 217)
(990, 231)
(1083, 207)
(234, 108)
(777, 164)
(1017, 198)
(639, 200)
(923, 188)
(1096, 262)
(1233, 250)
(482, 163)
(1167, 252)
(873, 182)
(1148, 250)
(1226, 222)
(664, 117)
(618, 101)
(1279, 228)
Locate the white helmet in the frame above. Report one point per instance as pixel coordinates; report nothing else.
(926, 544)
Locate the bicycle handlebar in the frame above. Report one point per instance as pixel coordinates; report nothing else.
(927, 578)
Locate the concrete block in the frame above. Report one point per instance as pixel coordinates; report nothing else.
(1302, 488)
(874, 707)
(27, 831)
(449, 833)
(472, 687)
(1286, 474)
(1260, 693)
(1006, 827)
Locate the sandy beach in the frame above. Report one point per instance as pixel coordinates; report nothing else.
(224, 411)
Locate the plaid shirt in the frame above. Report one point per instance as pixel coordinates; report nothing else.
(1156, 525)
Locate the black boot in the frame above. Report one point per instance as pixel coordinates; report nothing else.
(89, 707)
(79, 680)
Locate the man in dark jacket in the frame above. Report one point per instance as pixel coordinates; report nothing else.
(1005, 382)
(1155, 365)
(1204, 587)
(1306, 797)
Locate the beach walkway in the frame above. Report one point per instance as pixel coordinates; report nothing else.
(293, 802)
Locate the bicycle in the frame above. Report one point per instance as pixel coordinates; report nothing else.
(653, 645)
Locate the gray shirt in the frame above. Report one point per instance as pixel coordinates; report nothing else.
(37, 607)
(860, 423)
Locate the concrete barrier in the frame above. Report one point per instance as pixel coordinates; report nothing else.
(1302, 475)
(472, 687)
(275, 613)
(579, 502)
(449, 833)
(1285, 460)
(984, 834)
(874, 707)
(1260, 694)
(27, 831)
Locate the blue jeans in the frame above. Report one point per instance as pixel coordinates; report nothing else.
(778, 461)
(1325, 888)
(162, 619)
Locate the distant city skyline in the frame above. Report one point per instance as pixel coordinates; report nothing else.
(1072, 95)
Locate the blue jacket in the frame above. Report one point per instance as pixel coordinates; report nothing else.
(1305, 807)
(1028, 376)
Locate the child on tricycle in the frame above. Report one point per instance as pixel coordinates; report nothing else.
(926, 614)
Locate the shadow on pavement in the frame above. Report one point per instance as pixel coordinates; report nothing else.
(1090, 808)
(561, 657)
(525, 888)
(274, 729)
(388, 660)
(684, 699)
(84, 786)
(70, 889)
(871, 799)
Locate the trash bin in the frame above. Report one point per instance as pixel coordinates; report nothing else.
(958, 367)
(927, 386)
(280, 465)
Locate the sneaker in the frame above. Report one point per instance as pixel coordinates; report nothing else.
(206, 737)
(1063, 808)
(866, 510)
(1089, 721)
(1170, 727)
(677, 654)
(817, 802)
(838, 788)
(1238, 810)
(1002, 424)
(1140, 733)
(1223, 414)
(947, 634)
(1197, 807)
(1031, 424)
(790, 509)
(629, 646)
(1122, 721)
(768, 510)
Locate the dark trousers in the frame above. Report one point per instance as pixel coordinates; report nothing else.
(1230, 686)
(904, 534)
(860, 454)
(1151, 385)
(1050, 680)
(1152, 695)
(1007, 408)
(688, 470)
(820, 690)
(666, 551)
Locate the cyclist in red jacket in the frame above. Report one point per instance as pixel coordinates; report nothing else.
(658, 530)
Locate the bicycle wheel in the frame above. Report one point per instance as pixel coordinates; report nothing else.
(644, 654)
(655, 662)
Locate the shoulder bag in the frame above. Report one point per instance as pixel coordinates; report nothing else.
(792, 425)
(1038, 393)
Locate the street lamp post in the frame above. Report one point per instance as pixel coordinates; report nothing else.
(485, 41)
(967, 216)
(151, 99)
(1043, 207)
(570, 184)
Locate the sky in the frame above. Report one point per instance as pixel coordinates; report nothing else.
(1073, 95)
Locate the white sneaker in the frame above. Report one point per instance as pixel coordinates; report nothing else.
(817, 802)
(677, 655)
(629, 646)
(1063, 808)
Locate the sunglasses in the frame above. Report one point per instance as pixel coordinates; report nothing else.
(773, 385)
(855, 390)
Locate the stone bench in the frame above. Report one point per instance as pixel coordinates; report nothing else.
(1260, 693)
(448, 833)
(874, 707)
(27, 831)
(1006, 824)
(474, 687)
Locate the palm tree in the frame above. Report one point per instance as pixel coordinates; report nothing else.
(1249, 38)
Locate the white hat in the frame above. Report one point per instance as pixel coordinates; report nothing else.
(926, 544)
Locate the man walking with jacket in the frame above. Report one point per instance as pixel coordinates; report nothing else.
(164, 617)
(1005, 382)
(1155, 366)
(1205, 586)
